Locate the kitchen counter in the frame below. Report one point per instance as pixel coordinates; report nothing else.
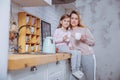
(20, 61)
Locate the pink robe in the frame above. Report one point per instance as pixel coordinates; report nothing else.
(58, 36)
(84, 47)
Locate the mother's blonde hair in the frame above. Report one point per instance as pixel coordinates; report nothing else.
(79, 20)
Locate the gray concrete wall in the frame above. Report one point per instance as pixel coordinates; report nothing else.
(103, 18)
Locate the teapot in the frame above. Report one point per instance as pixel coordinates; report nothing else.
(49, 45)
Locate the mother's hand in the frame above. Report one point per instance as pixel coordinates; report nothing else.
(83, 38)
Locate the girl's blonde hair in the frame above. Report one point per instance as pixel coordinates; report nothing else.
(63, 17)
(79, 20)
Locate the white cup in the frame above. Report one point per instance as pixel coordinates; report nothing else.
(77, 36)
(27, 46)
(32, 30)
(33, 21)
(36, 47)
(27, 19)
(27, 38)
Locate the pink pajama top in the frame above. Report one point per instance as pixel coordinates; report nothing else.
(84, 47)
(58, 36)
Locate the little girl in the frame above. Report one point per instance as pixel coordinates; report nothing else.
(62, 38)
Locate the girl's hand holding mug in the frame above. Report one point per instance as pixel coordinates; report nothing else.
(65, 38)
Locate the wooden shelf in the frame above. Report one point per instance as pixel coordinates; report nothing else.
(30, 33)
(20, 61)
(33, 3)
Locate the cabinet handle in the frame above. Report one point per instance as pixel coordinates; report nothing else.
(33, 68)
(57, 62)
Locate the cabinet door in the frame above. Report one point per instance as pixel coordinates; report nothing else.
(26, 74)
(57, 76)
(55, 68)
(67, 70)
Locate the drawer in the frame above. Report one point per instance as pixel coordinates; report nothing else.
(54, 68)
(57, 76)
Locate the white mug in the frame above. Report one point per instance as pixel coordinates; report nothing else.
(27, 46)
(36, 47)
(27, 19)
(32, 30)
(27, 38)
(77, 36)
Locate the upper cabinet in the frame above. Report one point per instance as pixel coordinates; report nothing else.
(32, 3)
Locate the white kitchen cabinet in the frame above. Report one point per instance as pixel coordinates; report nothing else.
(26, 74)
(57, 72)
(67, 70)
(51, 71)
(57, 76)
(53, 67)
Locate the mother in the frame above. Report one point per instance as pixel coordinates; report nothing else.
(85, 45)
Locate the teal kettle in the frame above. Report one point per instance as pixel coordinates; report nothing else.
(49, 45)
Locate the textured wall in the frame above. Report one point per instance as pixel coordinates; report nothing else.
(50, 14)
(103, 18)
